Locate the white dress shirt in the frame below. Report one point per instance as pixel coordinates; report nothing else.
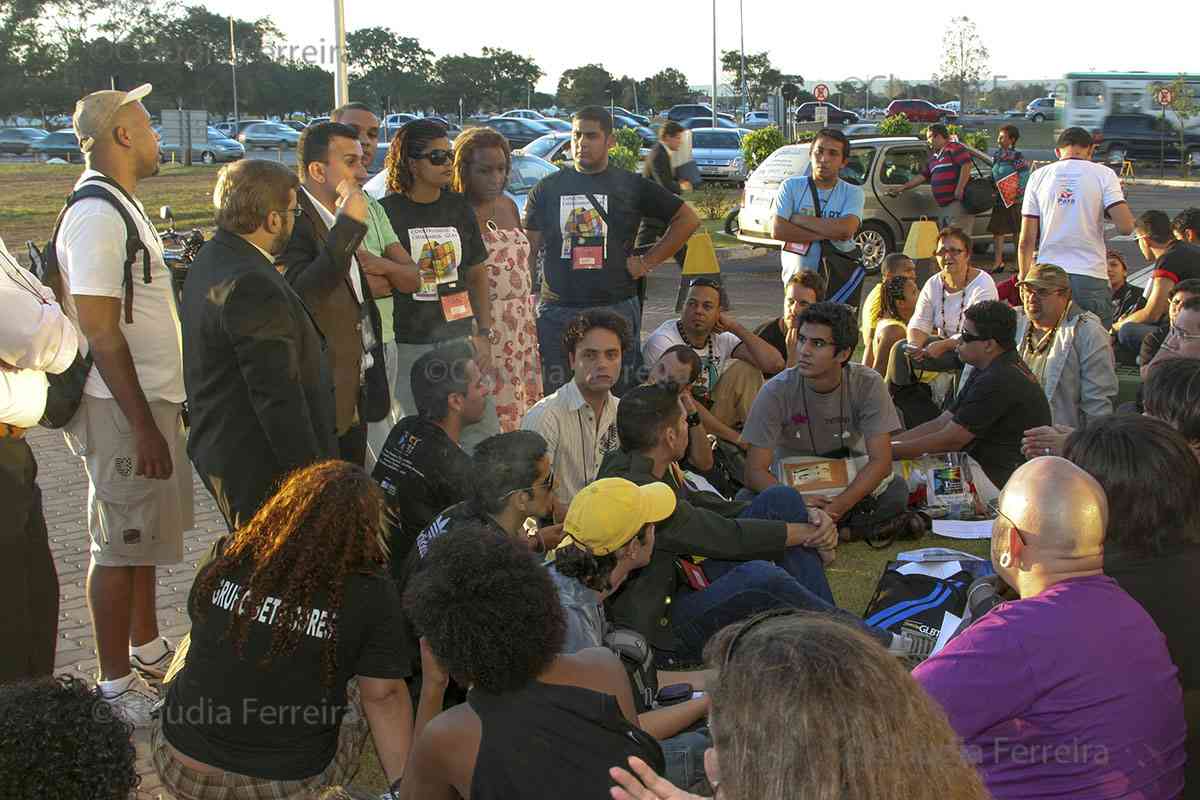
(35, 337)
(576, 444)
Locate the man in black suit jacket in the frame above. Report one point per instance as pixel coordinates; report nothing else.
(258, 383)
(320, 263)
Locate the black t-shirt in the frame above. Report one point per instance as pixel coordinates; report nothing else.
(998, 404)
(559, 208)
(770, 333)
(1180, 263)
(443, 239)
(1126, 300)
(421, 471)
(278, 721)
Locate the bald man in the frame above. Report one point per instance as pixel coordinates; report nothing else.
(1068, 691)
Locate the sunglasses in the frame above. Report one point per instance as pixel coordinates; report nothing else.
(439, 158)
(547, 484)
(967, 337)
(749, 625)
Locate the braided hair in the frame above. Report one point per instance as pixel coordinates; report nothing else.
(412, 138)
(892, 295)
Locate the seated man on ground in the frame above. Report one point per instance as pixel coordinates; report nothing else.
(1041, 698)
(536, 723)
(732, 359)
(825, 407)
(999, 401)
(894, 265)
(898, 304)
(1186, 225)
(679, 366)
(678, 601)
(1173, 396)
(59, 738)
(801, 291)
(609, 533)
(1174, 261)
(295, 612)
(1126, 298)
(1066, 348)
(579, 421)
(1183, 338)
(1178, 295)
(422, 468)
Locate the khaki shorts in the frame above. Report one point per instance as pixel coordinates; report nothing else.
(132, 521)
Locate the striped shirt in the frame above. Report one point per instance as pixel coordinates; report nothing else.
(943, 169)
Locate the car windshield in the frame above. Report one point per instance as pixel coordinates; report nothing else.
(715, 140)
(542, 147)
(526, 172)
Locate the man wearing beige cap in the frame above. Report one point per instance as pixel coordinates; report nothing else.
(128, 429)
(1066, 348)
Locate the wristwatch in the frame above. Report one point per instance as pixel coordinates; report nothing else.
(485, 332)
(693, 419)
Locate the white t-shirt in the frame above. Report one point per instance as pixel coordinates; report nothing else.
(667, 336)
(1070, 197)
(942, 311)
(91, 256)
(377, 186)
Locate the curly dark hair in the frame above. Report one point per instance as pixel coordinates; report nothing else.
(1150, 476)
(595, 318)
(1173, 395)
(410, 141)
(325, 523)
(59, 738)
(505, 463)
(488, 609)
(840, 320)
(996, 321)
(464, 153)
(591, 570)
(1186, 220)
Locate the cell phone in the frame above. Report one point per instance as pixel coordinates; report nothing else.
(675, 693)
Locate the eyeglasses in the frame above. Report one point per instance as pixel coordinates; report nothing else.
(966, 337)
(950, 251)
(439, 158)
(1180, 333)
(293, 212)
(1040, 292)
(1000, 515)
(818, 344)
(547, 484)
(749, 625)
(712, 283)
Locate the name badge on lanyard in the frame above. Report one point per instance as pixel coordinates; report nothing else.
(456, 301)
(587, 252)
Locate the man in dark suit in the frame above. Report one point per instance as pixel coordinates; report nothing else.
(254, 363)
(320, 263)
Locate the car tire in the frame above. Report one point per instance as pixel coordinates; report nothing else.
(875, 240)
(207, 157)
(1038, 118)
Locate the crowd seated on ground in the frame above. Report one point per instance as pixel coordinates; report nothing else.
(894, 265)
(801, 291)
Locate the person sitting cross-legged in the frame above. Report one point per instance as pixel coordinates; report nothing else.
(827, 407)
(1044, 703)
(999, 401)
(802, 290)
(732, 358)
(894, 265)
(536, 723)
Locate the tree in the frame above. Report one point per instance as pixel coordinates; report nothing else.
(586, 85)
(665, 88)
(464, 77)
(513, 76)
(761, 78)
(369, 49)
(1183, 103)
(964, 56)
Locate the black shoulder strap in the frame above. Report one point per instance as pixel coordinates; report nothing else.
(812, 187)
(133, 240)
(592, 199)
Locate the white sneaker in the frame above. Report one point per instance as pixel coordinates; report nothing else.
(135, 703)
(156, 669)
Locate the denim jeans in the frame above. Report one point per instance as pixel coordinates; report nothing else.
(553, 319)
(1130, 336)
(1094, 295)
(684, 755)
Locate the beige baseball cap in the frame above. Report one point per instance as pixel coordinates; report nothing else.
(94, 113)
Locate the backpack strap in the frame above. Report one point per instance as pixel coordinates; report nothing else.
(133, 241)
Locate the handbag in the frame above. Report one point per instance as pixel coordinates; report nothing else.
(916, 604)
(922, 239)
(843, 270)
(979, 195)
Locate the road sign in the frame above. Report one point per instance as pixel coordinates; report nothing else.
(1164, 96)
(821, 92)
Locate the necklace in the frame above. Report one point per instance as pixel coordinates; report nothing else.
(961, 305)
(812, 443)
(1040, 349)
(709, 363)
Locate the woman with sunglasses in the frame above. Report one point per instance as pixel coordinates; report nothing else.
(481, 168)
(1069, 690)
(806, 708)
(440, 230)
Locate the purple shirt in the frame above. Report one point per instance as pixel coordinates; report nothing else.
(1070, 694)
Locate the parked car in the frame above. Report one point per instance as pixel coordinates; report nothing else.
(756, 120)
(524, 113)
(876, 165)
(557, 125)
(295, 124)
(231, 129)
(685, 111)
(553, 147)
(1142, 137)
(318, 120)
(862, 129)
(807, 112)
(517, 130)
(219, 147)
(640, 119)
(718, 154)
(648, 136)
(526, 171)
(920, 111)
(60, 144)
(268, 135)
(1041, 110)
(706, 122)
(17, 141)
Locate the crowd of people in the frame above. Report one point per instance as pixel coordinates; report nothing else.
(525, 551)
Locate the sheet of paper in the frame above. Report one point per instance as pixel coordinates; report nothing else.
(958, 529)
(950, 624)
(934, 569)
(936, 554)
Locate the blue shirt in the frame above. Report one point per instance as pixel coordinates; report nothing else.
(794, 197)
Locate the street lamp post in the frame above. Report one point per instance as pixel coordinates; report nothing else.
(233, 71)
(742, 35)
(714, 66)
(341, 89)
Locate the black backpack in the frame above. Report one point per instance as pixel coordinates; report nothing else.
(65, 390)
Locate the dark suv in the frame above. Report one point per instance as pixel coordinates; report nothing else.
(920, 111)
(807, 112)
(1141, 137)
(686, 111)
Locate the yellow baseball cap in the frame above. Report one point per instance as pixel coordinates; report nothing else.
(94, 113)
(609, 512)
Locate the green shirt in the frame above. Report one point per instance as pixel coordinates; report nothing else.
(379, 229)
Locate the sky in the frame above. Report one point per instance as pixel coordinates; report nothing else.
(637, 38)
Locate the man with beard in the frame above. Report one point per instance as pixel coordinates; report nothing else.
(257, 374)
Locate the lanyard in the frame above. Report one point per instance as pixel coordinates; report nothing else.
(841, 414)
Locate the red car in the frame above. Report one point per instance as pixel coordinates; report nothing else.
(921, 111)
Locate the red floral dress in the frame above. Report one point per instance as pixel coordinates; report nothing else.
(516, 370)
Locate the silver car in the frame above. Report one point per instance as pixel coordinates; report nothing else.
(553, 147)
(718, 154)
(219, 147)
(877, 165)
(756, 120)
